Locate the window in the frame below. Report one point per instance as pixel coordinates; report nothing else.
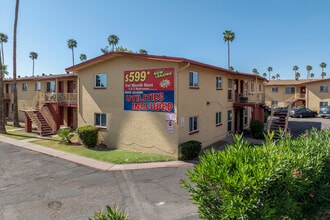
(38, 86)
(219, 82)
(324, 88)
(24, 86)
(100, 120)
(230, 89)
(260, 88)
(193, 124)
(101, 80)
(218, 119)
(230, 120)
(274, 103)
(246, 86)
(290, 90)
(193, 79)
(50, 86)
(252, 86)
(275, 89)
(245, 116)
(12, 107)
(322, 104)
(12, 86)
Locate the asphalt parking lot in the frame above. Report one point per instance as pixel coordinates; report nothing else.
(298, 126)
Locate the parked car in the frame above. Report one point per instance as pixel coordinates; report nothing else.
(325, 111)
(302, 113)
(281, 111)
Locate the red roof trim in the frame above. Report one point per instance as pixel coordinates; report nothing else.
(111, 55)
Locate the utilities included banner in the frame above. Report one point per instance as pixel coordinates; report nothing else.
(149, 90)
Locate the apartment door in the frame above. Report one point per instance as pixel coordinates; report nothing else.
(61, 87)
(70, 117)
(302, 92)
(70, 86)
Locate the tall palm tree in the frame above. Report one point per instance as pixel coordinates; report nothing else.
(15, 101)
(295, 69)
(297, 75)
(228, 36)
(83, 57)
(33, 56)
(264, 75)
(273, 77)
(72, 43)
(255, 71)
(323, 74)
(308, 68)
(312, 75)
(323, 65)
(3, 39)
(270, 69)
(2, 103)
(113, 41)
(277, 76)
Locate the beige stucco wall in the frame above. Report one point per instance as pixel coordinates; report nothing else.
(314, 96)
(279, 96)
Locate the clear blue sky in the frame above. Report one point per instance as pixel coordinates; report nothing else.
(276, 33)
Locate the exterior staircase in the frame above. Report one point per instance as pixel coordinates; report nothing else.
(43, 120)
(278, 122)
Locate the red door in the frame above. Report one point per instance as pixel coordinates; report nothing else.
(70, 117)
(70, 86)
(61, 87)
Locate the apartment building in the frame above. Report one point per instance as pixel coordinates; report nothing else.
(311, 93)
(153, 103)
(45, 102)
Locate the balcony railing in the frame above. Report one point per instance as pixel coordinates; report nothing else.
(68, 98)
(250, 98)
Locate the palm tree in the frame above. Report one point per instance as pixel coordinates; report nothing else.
(228, 36)
(323, 65)
(277, 76)
(83, 57)
(2, 103)
(270, 69)
(297, 75)
(273, 77)
(264, 75)
(15, 101)
(323, 74)
(105, 50)
(255, 71)
(72, 43)
(3, 39)
(143, 51)
(33, 56)
(308, 68)
(295, 69)
(312, 75)
(231, 68)
(113, 41)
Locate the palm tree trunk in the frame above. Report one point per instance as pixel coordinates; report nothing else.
(72, 57)
(2, 103)
(228, 55)
(16, 122)
(32, 67)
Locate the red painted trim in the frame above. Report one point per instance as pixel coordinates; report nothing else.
(193, 132)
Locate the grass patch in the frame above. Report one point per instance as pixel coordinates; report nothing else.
(18, 135)
(106, 155)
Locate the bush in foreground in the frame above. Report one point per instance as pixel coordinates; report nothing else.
(88, 135)
(110, 214)
(288, 179)
(65, 135)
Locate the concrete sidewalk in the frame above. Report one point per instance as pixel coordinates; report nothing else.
(89, 161)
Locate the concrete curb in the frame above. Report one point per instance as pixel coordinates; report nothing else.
(96, 164)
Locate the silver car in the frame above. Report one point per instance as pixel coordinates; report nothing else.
(324, 111)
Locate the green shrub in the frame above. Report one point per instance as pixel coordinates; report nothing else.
(65, 135)
(287, 179)
(110, 214)
(257, 128)
(189, 150)
(88, 135)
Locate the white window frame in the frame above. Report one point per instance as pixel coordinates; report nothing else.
(50, 86)
(102, 83)
(218, 82)
(252, 86)
(245, 116)
(275, 89)
(274, 103)
(291, 88)
(322, 104)
(218, 119)
(230, 89)
(100, 122)
(324, 88)
(24, 86)
(38, 86)
(193, 124)
(230, 121)
(193, 79)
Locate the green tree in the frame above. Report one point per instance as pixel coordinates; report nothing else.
(228, 36)
(295, 69)
(113, 41)
(297, 75)
(105, 50)
(3, 39)
(323, 74)
(255, 71)
(264, 75)
(83, 57)
(312, 75)
(277, 76)
(308, 68)
(231, 68)
(123, 49)
(15, 100)
(323, 65)
(2, 103)
(33, 56)
(270, 69)
(273, 77)
(143, 51)
(72, 43)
